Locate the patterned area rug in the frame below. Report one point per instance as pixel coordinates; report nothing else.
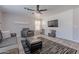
(50, 47)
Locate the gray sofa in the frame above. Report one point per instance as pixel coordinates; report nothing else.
(10, 41)
(1, 37)
(26, 32)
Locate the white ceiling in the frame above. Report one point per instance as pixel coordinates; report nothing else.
(19, 9)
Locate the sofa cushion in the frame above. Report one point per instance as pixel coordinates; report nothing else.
(8, 42)
(6, 34)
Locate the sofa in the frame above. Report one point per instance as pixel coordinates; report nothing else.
(1, 37)
(26, 32)
(8, 45)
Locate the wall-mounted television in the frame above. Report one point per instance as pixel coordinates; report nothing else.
(53, 23)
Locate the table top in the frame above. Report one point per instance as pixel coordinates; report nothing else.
(33, 40)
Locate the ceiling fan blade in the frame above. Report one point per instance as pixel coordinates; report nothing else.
(29, 9)
(43, 10)
(40, 12)
(37, 7)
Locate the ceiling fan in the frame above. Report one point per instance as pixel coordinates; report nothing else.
(38, 10)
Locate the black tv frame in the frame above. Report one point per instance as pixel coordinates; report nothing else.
(53, 23)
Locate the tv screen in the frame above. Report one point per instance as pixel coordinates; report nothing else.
(53, 23)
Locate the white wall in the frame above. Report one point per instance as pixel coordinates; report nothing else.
(65, 24)
(76, 24)
(0, 20)
(15, 23)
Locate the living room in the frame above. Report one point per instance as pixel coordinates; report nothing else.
(57, 23)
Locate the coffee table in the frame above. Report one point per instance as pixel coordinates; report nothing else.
(34, 43)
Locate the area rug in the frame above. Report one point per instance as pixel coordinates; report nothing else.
(50, 47)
